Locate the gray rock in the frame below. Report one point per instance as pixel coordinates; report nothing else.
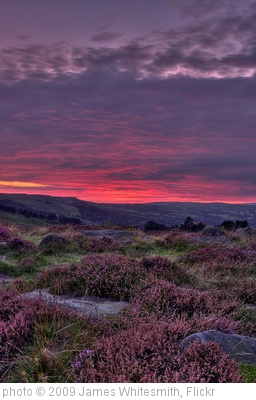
(53, 238)
(5, 279)
(2, 258)
(3, 245)
(122, 236)
(210, 240)
(89, 306)
(240, 348)
(250, 232)
(212, 231)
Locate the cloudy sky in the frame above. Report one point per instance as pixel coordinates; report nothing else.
(129, 100)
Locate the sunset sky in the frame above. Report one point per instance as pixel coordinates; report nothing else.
(129, 100)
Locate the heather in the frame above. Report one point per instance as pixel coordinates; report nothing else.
(106, 275)
(176, 282)
(43, 331)
(5, 234)
(148, 352)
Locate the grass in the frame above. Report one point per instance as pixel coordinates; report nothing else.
(49, 356)
(248, 372)
(175, 287)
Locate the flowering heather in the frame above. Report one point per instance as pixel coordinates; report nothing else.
(176, 241)
(96, 275)
(165, 298)
(28, 264)
(58, 278)
(5, 234)
(224, 325)
(21, 245)
(149, 352)
(223, 264)
(201, 255)
(164, 268)
(214, 253)
(17, 316)
(143, 353)
(206, 363)
(102, 245)
(246, 291)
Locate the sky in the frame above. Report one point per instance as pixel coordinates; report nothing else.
(129, 101)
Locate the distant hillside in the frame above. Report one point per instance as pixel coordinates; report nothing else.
(25, 207)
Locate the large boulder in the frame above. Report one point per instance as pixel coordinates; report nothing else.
(240, 348)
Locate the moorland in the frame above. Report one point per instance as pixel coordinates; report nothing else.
(172, 284)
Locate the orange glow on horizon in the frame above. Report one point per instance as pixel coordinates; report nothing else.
(127, 197)
(21, 184)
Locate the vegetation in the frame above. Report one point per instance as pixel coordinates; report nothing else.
(177, 283)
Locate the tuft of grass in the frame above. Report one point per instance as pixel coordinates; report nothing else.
(57, 340)
(248, 372)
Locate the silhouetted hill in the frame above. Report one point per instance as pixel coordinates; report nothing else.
(44, 208)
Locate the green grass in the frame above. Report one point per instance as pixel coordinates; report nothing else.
(248, 372)
(56, 342)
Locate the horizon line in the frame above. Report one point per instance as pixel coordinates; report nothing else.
(131, 203)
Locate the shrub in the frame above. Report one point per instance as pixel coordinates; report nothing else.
(202, 255)
(149, 352)
(5, 234)
(28, 264)
(246, 291)
(222, 263)
(166, 299)
(17, 316)
(142, 353)
(164, 268)
(152, 226)
(96, 275)
(206, 363)
(177, 241)
(21, 245)
(102, 245)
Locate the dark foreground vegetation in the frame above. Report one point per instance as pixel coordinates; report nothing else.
(176, 283)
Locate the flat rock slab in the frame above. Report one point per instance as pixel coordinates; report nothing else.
(240, 348)
(123, 236)
(89, 306)
(210, 240)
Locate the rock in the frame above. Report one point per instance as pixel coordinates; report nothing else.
(240, 348)
(53, 238)
(250, 232)
(221, 240)
(92, 307)
(212, 231)
(2, 258)
(3, 245)
(122, 236)
(5, 279)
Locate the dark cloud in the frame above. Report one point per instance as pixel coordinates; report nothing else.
(169, 112)
(106, 36)
(219, 45)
